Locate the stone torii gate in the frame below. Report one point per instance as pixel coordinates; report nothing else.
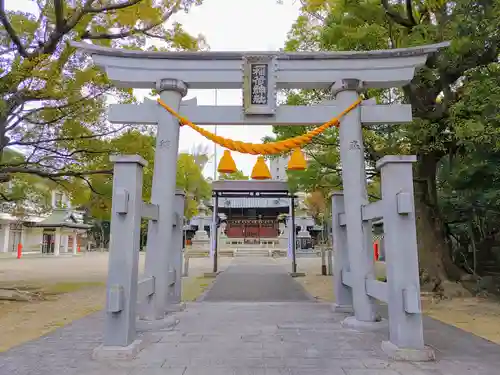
(260, 75)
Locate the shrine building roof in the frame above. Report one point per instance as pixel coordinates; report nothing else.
(250, 187)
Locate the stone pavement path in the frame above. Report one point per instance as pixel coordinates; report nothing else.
(290, 337)
(256, 280)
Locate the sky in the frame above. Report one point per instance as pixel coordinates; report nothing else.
(228, 25)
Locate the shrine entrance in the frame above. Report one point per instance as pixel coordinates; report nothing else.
(260, 75)
(251, 219)
(250, 190)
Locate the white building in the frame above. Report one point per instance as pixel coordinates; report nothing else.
(278, 167)
(60, 231)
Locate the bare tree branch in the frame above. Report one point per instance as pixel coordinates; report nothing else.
(395, 16)
(409, 12)
(111, 7)
(31, 143)
(313, 14)
(56, 36)
(69, 155)
(10, 30)
(50, 175)
(151, 35)
(61, 108)
(134, 30)
(120, 35)
(59, 12)
(91, 187)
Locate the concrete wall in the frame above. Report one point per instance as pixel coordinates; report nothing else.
(32, 239)
(4, 225)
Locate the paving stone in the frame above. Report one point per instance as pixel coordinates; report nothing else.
(335, 371)
(375, 363)
(160, 371)
(371, 372)
(101, 372)
(260, 282)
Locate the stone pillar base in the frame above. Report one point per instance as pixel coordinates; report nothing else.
(168, 322)
(113, 353)
(175, 307)
(396, 353)
(344, 309)
(358, 325)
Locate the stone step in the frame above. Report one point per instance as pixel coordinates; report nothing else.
(239, 255)
(251, 252)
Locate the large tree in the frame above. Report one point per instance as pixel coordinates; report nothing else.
(469, 180)
(53, 98)
(472, 26)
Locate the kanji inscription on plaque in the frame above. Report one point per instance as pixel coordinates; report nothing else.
(259, 84)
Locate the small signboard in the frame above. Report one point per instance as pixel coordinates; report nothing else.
(259, 85)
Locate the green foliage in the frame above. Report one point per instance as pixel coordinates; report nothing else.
(238, 175)
(95, 197)
(53, 99)
(190, 179)
(24, 194)
(469, 181)
(317, 206)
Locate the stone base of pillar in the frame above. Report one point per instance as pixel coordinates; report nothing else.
(342, 309)
(155, 325)
(113, 353)
(358, 325)
(396, 353)
(175, 307)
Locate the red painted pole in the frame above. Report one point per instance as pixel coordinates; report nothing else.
(375, 250)
(19, 250)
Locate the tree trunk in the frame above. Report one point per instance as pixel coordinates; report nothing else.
(436, 265)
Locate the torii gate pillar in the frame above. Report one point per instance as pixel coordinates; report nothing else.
(162, 194)
(354, 183)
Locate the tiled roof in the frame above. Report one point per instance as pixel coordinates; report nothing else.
(63, 218)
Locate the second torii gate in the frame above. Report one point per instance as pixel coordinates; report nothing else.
(261, 75)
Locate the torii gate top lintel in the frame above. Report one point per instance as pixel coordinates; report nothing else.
(280, 55)
(223, 69)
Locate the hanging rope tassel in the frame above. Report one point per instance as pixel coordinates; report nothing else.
(260, 170)
(297, 161)
(226, 164)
